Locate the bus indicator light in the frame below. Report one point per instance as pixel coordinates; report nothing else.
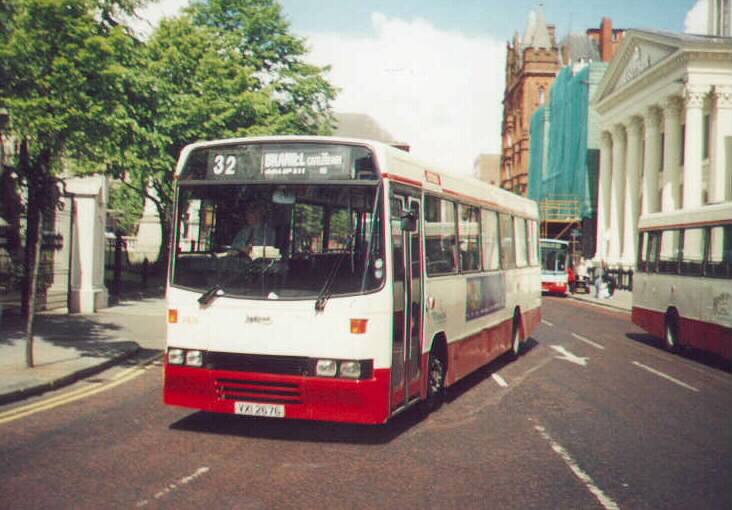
(358, 326)
(172, 316)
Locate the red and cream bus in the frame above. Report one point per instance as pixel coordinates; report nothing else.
(682, 287)
(384, 281)
(554, 265)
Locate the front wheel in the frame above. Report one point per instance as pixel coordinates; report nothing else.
(435, 383)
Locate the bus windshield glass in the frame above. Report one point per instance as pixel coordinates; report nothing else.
(553, 256)
(278, 240)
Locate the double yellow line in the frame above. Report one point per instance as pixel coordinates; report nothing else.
(72, 396)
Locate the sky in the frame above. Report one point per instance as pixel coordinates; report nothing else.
(431, 72)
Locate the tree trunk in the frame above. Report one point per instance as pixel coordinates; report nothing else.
(41, 196)
(33, 259)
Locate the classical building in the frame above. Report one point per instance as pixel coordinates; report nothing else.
(666, 144)
(532, 64)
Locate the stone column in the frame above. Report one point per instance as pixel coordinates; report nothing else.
(618, 195)
(651, 160)
(88, 293)
(720, 179)
(603, 195)
(693, 178)
(671, 154)
(632, 192)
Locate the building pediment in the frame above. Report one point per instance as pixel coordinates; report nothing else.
(640, 53)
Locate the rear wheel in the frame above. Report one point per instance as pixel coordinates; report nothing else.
(516, 337)
(671, 332)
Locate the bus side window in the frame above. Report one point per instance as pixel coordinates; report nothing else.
(692, 251)
(719, 255)
(508, 253)
(668, 257)
(440, 235)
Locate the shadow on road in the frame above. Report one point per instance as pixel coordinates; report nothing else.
(690, 353)
(329, 432)
(298, 430)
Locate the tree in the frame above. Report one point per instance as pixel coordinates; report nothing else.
(59, 83)
(224, 68)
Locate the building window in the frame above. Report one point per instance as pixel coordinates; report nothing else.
(705, 136)
(541, 95)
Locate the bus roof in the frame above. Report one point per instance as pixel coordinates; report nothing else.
(719, 213)
(402, 166)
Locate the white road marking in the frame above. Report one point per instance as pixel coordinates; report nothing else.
(568, 356)
(500, 381)
(543, 321)
(603, 498)
(173, 486)
(665, 376)
(588, 341)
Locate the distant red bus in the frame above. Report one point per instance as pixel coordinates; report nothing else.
(554, 264)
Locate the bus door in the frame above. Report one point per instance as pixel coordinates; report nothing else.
(407, 285)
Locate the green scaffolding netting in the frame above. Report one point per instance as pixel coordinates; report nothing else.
(564, 151)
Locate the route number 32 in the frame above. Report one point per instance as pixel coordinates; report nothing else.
(224, 165)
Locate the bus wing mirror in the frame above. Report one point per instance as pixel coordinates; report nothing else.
(409, 221)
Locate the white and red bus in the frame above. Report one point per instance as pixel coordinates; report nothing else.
(682, 287)
(554, 265)
(385, 282)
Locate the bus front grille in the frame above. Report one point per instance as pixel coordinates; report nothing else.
(259, 363)
(269, 392)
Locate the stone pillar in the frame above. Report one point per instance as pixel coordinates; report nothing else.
(617, 209)
(693, 178)
(88, 292)
(671, 154)
(632, 192)
(720, 178)
(651, 161)
(603, 195)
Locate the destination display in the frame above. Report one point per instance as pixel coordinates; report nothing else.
(279, 162)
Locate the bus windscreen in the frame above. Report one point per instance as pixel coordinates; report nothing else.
(267, 241)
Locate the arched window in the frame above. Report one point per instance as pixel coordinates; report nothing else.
(541, 95)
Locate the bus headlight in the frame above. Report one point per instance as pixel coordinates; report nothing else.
(194, 358)
(351, 369)
(326, 368)
(176, 356)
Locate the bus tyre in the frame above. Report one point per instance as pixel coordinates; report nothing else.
(516, 338)
(435, 383)
(671, 332)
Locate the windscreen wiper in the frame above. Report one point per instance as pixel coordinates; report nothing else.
(325, 291)
(211, 293)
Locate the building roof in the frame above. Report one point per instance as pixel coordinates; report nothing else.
(580, 47)
(537, 33)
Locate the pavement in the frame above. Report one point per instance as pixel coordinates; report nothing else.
(68, 347)
(621, 300)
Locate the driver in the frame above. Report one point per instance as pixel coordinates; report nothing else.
(255, 232)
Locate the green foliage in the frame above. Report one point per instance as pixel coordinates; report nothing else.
(225, 68)
(126, 207)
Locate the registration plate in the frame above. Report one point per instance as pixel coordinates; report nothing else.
(253, 409)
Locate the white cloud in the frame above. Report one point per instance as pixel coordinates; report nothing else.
(696, 18)
(438, 91)
(150, 16)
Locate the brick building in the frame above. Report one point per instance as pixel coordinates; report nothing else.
(532, 64)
